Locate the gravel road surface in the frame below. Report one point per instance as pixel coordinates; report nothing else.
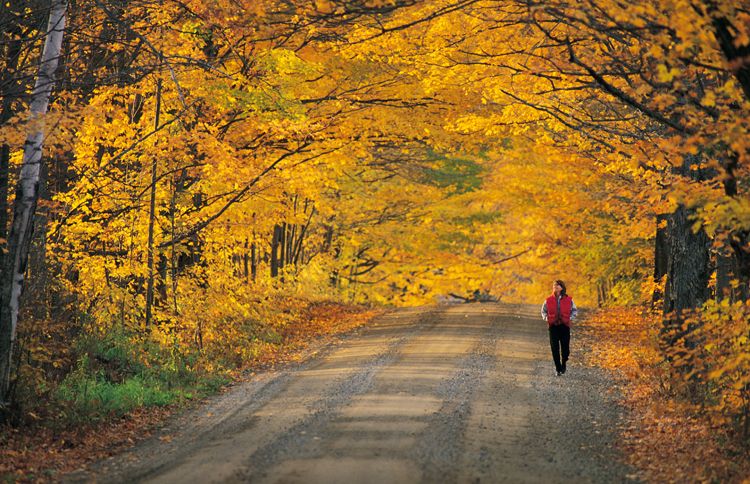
(463, 393)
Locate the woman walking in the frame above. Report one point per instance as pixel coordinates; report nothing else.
(559, 310)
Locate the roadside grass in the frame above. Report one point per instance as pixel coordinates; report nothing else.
(119, 371)
(666, 437)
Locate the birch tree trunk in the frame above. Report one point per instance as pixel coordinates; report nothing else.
(27, 193)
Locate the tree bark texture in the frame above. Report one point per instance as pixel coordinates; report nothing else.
(689, 260)
(246, 261)
(253, 262)
(726, 267)
(688, 268)
(687, 288)
(27, 193)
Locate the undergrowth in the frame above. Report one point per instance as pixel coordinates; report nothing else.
(119, 371)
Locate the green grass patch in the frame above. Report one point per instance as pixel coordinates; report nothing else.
(120, 371)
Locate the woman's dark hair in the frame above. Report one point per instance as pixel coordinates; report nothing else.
(564, 291)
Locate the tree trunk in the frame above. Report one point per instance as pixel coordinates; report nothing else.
(11, 90)
(151, 217)
(290, 243)
(661, 257)
(160, 284)
(725, 270)
(275, 250)
(253, 260)
(298, 249)
(176, 187)
(282, 245)
(689, 261)
(4, 172)
(27, 193)
(689, 268)
(245, 261)
(687, 288)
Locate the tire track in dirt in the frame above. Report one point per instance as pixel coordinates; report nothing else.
(289, 443)
(447, 426)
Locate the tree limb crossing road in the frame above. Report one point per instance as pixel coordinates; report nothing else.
(447, 394)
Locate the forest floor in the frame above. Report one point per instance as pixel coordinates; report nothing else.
(664, 437)
(463, 393)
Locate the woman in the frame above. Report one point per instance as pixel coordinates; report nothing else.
(559, 310)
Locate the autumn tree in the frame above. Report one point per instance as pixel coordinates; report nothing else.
(221, 158)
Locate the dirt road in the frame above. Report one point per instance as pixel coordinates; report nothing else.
(461, 393)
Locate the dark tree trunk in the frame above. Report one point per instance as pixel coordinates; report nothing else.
(601, 294)
(725, 269)
(151, 219)
(688, 269)
(253, 261)
(160, 285)
(688, 275)
(661, 256)
(275, 240)
(335, 275)
(10, 91)
(328, 239)
(297, 250)
(4, 172)
(178, 187)
(245, 261)
(687, 288)
(282, 245)
(289, 241)
(689, 260)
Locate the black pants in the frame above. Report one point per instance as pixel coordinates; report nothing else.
(559, 337)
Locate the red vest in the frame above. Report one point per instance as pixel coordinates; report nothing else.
(555, 317)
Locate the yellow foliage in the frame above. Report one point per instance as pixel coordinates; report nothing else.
(306, 152)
